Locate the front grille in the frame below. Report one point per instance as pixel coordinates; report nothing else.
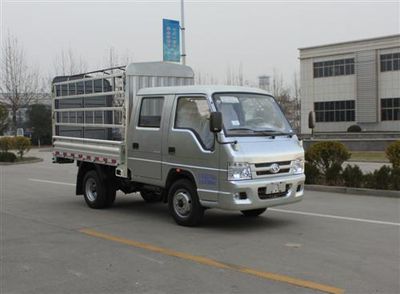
(268, 172)
(268, 164)
(264, 168)
(262, 193)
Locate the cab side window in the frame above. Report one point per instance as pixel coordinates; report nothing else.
(150, 112)
(193, 113)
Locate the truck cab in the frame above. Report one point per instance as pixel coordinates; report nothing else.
(231, 148)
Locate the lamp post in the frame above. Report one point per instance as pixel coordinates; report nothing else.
(183, 33)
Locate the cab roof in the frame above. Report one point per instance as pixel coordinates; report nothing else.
(204, 89)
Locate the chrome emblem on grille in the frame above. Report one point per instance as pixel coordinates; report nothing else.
(275, 168)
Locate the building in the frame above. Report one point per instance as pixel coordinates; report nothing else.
(352, 83)
(264, 82)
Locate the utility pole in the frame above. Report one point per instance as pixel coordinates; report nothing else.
(183, 55)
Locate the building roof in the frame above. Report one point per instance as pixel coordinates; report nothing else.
(383, 42)
(203, 89)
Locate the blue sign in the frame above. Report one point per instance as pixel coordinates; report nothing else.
(171, 43)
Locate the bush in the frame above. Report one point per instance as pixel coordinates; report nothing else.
(7, 157)
(327, 158)
(6, 143)
(333, 174)
(382, 177)
(385, 178)
(352, 176)
(354, 129)
(395, 179)
(312, 173)
(369, 180)
(22, 144)
(393, 153)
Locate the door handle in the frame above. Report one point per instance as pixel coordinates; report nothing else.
(171, 150)
(135, 145)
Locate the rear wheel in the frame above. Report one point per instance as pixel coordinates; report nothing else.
(253, 212)
(183, 203)
(98, 194)
(111, 194)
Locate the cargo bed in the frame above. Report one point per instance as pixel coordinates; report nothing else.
(91, 111)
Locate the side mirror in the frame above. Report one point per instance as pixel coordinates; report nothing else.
(215, 122)
(311, 120)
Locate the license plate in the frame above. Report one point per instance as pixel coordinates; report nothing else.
(276, 188)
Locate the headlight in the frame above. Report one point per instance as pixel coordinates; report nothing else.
(298, 166)
(238, 171)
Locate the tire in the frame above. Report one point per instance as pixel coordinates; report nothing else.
(98, 194)
(183, 203)
(151, 197)
(111, 195)
(253, 212)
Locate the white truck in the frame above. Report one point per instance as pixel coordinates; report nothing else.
(146, 128)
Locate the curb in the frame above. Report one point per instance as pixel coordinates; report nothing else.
(36, 160)
(355, 191)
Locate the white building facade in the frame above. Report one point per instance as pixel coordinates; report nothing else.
(352, 83)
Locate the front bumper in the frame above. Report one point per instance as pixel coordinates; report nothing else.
(229, 199)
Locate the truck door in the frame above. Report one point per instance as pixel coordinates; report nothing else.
(191, 146)
(144, 153)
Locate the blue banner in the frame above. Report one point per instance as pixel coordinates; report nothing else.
(171, 43)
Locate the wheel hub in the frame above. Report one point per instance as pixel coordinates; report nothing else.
(91, 189)
(182, 203)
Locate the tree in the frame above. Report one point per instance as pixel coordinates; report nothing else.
(39, 119)
(113, 58)
(234, 77)
(19, 82)
(288, 98)
(3, 118)
(205, 79)
(296, 101)
(278, 88)
(67, 63)
(280, 92)
(22, 144)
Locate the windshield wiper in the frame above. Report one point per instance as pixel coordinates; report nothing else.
(241, 129)
(267, 132)
(270, 132)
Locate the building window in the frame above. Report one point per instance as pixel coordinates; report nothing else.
(390, 109)
(339, 67)
(335, 111)
(150, 112)
(390, 62)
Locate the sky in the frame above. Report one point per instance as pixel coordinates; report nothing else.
(258, 35)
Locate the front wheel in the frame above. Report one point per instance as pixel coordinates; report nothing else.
(253, 212)
(183, 203)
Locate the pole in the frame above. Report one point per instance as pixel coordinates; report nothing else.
(183, 33)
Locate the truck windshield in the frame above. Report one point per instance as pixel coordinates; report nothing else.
(251, 115)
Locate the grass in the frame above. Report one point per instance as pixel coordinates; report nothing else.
(25, 159)
(368, 156)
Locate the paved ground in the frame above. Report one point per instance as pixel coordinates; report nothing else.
(343, 241)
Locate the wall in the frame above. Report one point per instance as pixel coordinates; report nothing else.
(324, 89)
(368, 83)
